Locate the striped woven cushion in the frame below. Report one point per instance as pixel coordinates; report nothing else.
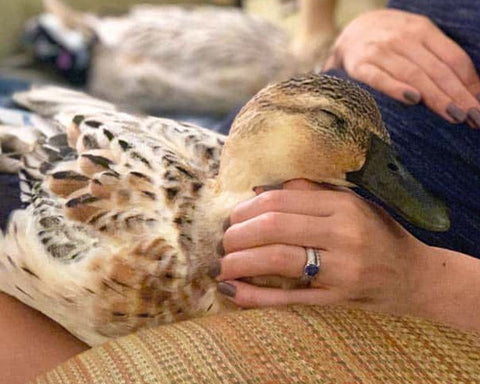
(285, 345)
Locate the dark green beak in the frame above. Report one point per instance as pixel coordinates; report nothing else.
(386, 177)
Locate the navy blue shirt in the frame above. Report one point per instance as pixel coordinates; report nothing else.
(9, 188)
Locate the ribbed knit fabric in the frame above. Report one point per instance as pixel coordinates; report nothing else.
(298, 344)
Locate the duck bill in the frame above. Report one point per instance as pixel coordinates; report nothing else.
(387, 178)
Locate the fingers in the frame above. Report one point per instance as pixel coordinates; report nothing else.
(380, 79)
(299, 202)
(427, 79)
(455, 58)
(446, 79)
(303, 185)
(250, 296)
(408, 58)
(287, 261)
(296, 196)
(275, 228)
(292, 217)
(276, 259)
(399, 77)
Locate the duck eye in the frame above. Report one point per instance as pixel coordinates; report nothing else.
(393, 167)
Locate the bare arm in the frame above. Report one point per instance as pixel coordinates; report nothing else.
(30, 342)
(449, 288)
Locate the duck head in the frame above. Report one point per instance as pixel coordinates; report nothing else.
(326, 130)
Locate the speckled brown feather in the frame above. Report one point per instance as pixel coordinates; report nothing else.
(101, 238)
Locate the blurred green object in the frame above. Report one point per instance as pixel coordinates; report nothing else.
(14, 14)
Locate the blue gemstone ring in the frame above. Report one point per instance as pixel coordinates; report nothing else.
(312, 266)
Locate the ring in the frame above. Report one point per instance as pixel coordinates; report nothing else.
(312, 266)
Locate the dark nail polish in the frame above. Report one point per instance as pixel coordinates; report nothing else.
(220, 249)
(214, 269)
(227, 289)
(226, 224)
(412, 97)
(471, 123)
(456, 113)
(474, 116)
(265, 188)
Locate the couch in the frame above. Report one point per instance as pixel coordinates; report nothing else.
(295, 344)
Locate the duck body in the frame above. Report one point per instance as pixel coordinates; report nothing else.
(173, 58)
(123, 214)
(104, 245)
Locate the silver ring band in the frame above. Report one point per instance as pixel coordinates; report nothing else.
(312, 266)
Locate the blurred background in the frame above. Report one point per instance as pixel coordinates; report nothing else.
(14, 13)
(141, 69)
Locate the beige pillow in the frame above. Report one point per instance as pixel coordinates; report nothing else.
(297, 344)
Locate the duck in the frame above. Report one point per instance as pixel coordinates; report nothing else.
(158, 59)
(123, 213)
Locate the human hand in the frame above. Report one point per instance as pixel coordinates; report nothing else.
(407, 57)
(367, 259)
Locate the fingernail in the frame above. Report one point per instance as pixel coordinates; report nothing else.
(412, 97)
(227, 289)
(226, 224)
(220, 249)
(214, 269)
(265, 188)
(471, 123)
(456, 113)
(474, 116)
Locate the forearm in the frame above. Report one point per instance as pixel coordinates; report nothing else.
(448, 288)
(30, 342)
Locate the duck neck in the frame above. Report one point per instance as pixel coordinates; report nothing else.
(256, 156)
(281, 150)
(213, 209)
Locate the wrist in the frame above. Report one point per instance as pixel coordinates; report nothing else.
(447, 287)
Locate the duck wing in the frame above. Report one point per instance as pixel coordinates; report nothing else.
(103, 245)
